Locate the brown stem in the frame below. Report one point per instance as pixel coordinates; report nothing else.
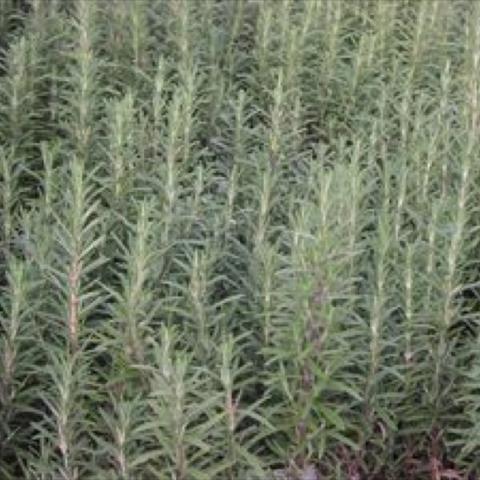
(73, 303)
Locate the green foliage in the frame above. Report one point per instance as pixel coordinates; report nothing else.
(238, 239)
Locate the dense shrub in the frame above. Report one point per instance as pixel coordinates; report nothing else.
(239, 239)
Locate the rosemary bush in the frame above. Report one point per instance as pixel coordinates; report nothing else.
(238, 239)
